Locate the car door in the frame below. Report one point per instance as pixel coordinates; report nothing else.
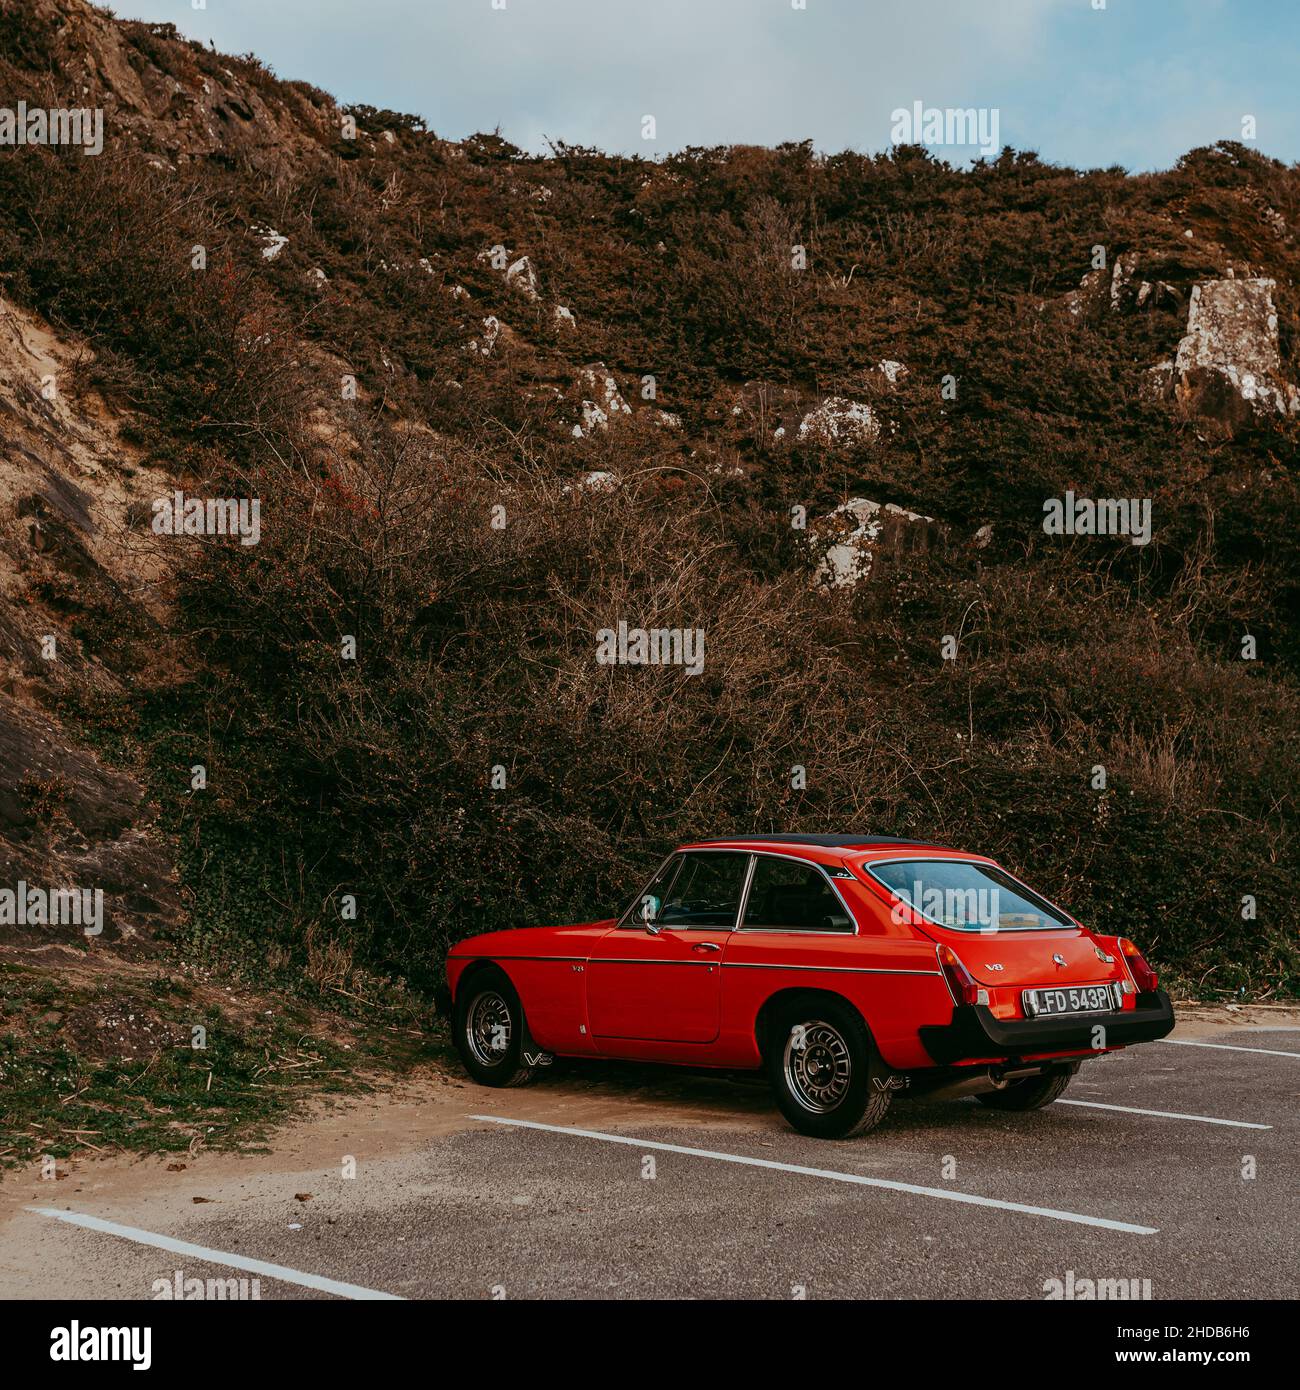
(662, 982)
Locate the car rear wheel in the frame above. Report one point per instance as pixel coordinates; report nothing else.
(819, 1055)
(1033, 1093)
(488, 1030)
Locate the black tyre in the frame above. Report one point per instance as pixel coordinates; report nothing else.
(488, 1030)
(1033, 1093)
(819, 1056)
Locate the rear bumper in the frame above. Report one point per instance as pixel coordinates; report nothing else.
(975, 1032)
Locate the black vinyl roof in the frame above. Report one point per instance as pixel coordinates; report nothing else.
(822, 841)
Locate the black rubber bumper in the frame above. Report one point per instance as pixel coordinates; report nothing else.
(974, 1032)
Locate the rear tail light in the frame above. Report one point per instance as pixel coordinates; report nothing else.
(1143, 976)
(965, 989)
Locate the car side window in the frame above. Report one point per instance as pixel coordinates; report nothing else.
(655, 892)
(707, 891)
(788, 896)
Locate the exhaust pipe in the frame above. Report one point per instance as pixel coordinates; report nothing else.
(977, 1081)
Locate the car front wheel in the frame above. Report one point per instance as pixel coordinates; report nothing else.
(488, 1030)
(819, 1063)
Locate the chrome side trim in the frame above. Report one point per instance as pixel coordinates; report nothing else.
(497, 956)
(646, 960)
(830, 969)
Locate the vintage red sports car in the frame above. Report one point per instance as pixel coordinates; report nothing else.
(850, 967)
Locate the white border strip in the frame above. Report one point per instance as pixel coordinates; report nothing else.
(1226, 1047)
(831, 1173)
(217, 1257)
(1163, 1114)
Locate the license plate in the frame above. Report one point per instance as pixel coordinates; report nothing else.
(1071, 999)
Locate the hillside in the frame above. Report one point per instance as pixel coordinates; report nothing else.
(491, 404)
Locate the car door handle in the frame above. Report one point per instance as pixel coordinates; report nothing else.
(705, 946)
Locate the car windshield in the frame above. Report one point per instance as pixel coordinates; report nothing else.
(962, 896)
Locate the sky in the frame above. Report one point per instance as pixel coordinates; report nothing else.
(1090, 83)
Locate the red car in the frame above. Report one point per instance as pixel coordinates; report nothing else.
(850, 967)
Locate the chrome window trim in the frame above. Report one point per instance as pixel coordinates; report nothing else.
(754, 855)
(790, 931)
(1068, 925)
(631, 907)
(851, 930)
(681, 854)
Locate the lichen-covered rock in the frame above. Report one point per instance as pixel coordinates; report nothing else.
(600, 480)
(272, 242)
(522, 278)
(847, 540)
(491, 332)
(892, 371)
(602, 402)
(1121, 279)
(1092, 289)
(1228, 365)
(840, 423)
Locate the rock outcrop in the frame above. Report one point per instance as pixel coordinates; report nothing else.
(840, 423)
(848, 540)
(69, 487)
(1228, 365)
(602, 403)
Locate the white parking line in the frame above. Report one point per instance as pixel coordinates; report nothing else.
(1163, 1114)
(833, 1174)
(217, 1257)
(1226, 1047)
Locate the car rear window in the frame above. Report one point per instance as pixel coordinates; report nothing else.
(962, 896)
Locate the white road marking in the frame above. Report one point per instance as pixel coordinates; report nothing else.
(216, 1257)
(831, 1173)
(1226, 1047)
(1163, 1114)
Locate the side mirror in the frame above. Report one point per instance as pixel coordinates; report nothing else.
(648, 913)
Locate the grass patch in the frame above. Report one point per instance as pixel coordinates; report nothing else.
(113, 1064)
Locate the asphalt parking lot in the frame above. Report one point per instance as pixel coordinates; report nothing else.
(525, 1197)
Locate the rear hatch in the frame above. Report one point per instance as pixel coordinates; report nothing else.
(1008, 957)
